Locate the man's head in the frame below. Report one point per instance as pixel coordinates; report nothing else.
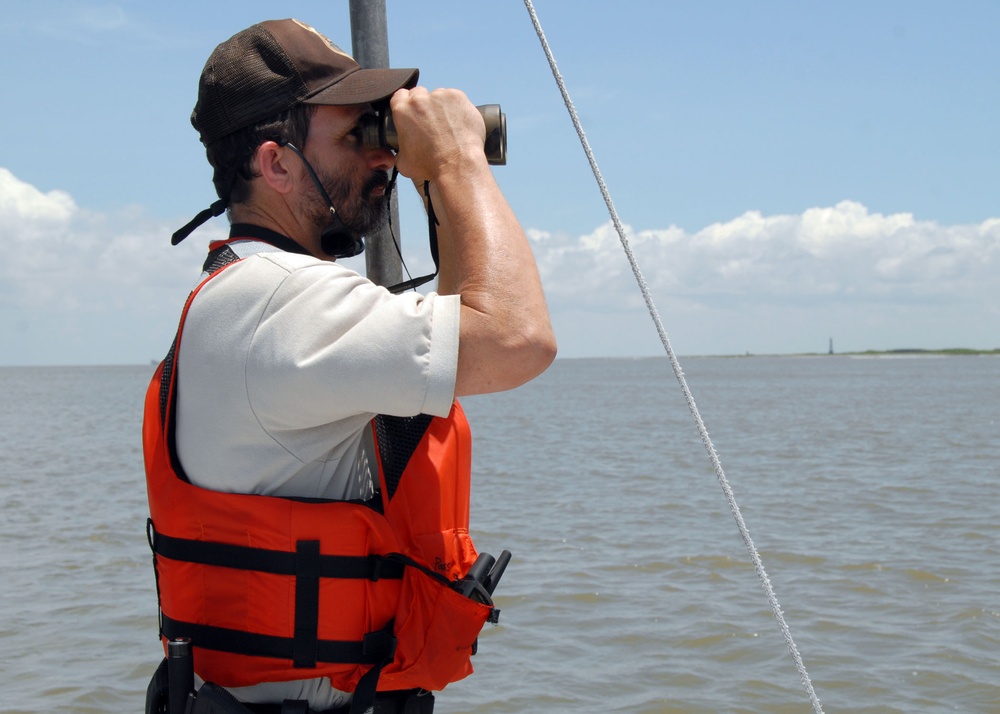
(264, 84)
(269, 68)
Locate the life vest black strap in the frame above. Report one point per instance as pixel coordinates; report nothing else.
(277, 562)
(371, 650)
(306, 603)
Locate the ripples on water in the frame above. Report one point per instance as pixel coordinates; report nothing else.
(870, 488)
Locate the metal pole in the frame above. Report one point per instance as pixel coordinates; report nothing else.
(370, 47)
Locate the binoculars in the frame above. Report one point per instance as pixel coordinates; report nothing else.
(379, 131)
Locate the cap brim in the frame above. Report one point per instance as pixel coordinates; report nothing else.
(364, 86)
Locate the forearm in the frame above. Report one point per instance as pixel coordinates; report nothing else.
(505, 335)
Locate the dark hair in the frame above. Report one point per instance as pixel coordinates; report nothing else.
(231, 156)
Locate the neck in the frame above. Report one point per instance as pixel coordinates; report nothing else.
(282, 222)
(240, 231)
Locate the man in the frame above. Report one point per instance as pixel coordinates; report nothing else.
(284, 358)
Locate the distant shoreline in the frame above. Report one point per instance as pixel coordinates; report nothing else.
(902, 352)
(961, 351)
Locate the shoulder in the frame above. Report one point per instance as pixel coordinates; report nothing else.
(282, 262)
(265, 273)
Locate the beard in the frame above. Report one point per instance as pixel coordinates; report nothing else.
(362, 211)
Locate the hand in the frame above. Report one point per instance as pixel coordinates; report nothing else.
(438, 131)
(505, 335)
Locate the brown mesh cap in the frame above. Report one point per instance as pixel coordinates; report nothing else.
(274, 65)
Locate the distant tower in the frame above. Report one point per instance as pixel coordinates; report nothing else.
(831, 345)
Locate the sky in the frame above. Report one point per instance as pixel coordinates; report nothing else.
(787, 173)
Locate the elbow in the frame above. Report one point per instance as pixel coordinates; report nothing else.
(498, 365)
(543, 351)
(530, 355)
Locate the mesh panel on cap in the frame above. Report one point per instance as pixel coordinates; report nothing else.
(248, 79)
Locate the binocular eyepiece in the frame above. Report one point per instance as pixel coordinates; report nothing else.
(379, 131)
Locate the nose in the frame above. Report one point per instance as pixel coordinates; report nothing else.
(381, 158)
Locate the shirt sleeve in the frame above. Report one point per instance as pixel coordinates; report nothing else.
(330, 344)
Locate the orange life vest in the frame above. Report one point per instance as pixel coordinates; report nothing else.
(276, 589)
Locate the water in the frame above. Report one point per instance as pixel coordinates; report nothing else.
(871, 488)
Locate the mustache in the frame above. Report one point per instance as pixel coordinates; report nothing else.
(378, 179)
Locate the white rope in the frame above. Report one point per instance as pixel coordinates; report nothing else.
(678, 372)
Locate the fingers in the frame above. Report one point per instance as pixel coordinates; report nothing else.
(436, 131)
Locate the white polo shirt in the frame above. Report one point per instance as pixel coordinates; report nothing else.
(283, 361)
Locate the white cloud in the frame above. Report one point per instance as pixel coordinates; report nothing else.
(58, 255)
(78, 287)
(100, 278)
(23, 202)
(836, 253)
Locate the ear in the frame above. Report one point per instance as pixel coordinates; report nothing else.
(271, 164)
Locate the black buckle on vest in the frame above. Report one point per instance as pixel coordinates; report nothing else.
(380, 643)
